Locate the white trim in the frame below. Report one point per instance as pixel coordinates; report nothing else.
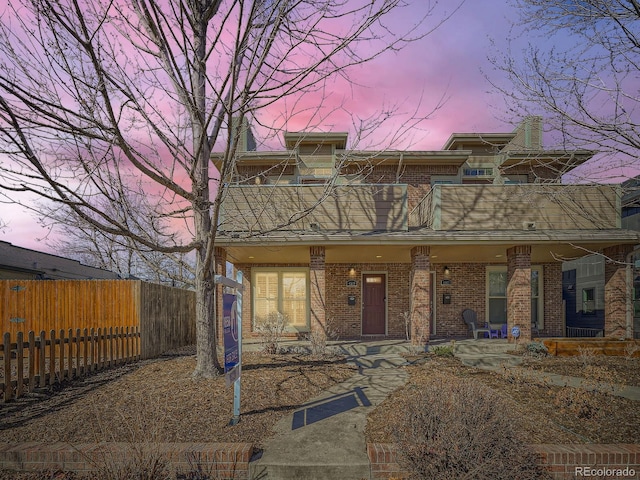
(503, 268)
(279, 271)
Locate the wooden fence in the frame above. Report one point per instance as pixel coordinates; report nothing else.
(165, 316)
(37, 361)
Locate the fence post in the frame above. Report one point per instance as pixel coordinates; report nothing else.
(32, 360)
(123, 359)
(70, 355)
(42, 358)
(61, 360)
(99, 364)
(19, 364)
(85, 350)
(117, 347)
(110, 347)
(8, 389)
(52, 357)
(126, 346)
(92, 348)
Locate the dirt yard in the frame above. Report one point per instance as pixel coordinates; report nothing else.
(158, 401)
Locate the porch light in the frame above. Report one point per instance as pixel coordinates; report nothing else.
(352, 271)
(446, 271)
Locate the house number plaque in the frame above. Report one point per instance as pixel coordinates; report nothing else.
(352, 283)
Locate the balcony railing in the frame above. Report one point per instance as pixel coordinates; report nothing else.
(324, 208)
(518, 207)
(382, 207)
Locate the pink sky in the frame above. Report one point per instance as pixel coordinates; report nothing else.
(446, 63)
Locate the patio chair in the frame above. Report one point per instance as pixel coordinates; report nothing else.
(470, 318)
(503, 331)
(494, 329)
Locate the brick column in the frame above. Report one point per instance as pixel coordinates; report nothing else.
(615, 290)
(220, 259)
(519, 291)
(317, 275)
(420, 300)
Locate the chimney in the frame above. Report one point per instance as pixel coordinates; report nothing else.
(246, 140)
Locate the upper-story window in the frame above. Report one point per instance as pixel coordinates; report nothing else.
(478, 172)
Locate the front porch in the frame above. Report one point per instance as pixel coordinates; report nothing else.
(414, 294)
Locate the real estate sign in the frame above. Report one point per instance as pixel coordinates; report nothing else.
(230, 329)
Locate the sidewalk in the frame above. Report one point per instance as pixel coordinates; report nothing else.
(325, 439)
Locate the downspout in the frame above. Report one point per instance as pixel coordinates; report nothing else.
(629, 272)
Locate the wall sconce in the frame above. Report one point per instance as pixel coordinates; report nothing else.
(352, 271)
(446, 271)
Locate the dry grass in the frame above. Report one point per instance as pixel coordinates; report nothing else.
(160, 401)
(531, 399)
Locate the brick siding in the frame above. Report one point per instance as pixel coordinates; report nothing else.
(560, 460)
(227, 460)
(615, 290)
(519, 291)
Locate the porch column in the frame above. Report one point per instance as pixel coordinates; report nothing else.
(317, 287)
(519, 291)
(220, 262)
(420, 300)
(615, 290)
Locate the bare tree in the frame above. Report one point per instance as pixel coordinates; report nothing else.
(580, 70)
(110, 106)
(84, 242)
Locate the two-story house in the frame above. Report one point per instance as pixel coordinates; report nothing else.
(372, 241)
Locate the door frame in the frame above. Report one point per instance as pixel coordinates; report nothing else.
(386, 296)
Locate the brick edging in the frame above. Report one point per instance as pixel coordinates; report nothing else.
(560, 460)
(227, 460)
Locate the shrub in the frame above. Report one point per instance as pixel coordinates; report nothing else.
(319, 337)
(536, 349)
(442, 350)
(458, 429)
(270, 331)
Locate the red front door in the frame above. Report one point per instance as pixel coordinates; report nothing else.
(374, 304)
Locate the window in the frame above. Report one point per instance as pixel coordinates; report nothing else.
(589, 301)
(497, 295)
(478, 172)
(284, 291)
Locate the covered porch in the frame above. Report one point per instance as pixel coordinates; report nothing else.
(390, 286)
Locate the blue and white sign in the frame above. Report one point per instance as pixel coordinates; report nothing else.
(515, 331)
(230, 331)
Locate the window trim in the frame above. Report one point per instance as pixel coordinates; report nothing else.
(280, 270)
(503, 268)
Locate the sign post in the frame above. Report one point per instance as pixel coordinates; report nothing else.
(232, 336)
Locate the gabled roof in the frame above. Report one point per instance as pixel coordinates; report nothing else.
(19, 262)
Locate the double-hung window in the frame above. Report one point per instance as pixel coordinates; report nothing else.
(496, 291)
(284, 290)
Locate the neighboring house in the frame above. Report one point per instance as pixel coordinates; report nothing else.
(25, 264)
(583, 284)
(361, 240)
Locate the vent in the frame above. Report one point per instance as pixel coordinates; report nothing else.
(528, 225)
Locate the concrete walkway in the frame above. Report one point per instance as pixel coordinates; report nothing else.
(492, 355)
(325, 438)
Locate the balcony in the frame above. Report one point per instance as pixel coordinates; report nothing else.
(518, 207)
(321, 208)
(253, 210)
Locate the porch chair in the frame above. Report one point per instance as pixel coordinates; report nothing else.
(470, 318)
(494, 329)
(504, 331)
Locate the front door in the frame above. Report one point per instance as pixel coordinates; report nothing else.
(374, 301)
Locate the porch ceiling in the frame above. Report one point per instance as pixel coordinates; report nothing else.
(356, 254)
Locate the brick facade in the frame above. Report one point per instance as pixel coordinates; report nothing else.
(420, 303)
(317, 286)
(561, 461)
(615, 290)
(465, 286)
(519, 291)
